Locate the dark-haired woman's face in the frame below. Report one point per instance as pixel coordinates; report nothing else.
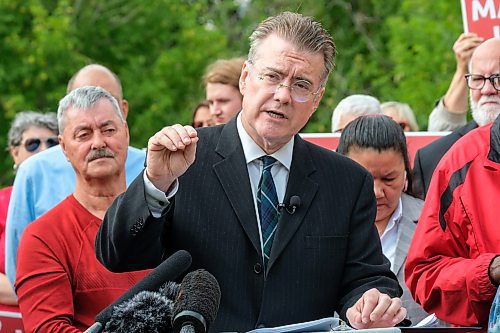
(388, 171)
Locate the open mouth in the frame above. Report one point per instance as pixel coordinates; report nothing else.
(277, 115)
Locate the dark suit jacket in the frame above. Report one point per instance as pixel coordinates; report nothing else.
(428, 157)
(324, 256)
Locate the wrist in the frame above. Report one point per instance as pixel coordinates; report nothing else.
(161, 183)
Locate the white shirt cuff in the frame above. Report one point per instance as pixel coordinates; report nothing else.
(156, 199)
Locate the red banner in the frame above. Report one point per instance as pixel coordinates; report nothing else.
(482, 17)
(414, 140)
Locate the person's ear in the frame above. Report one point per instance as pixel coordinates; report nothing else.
(14, 153)
(124, 107)
(63, 146)
(243, 78)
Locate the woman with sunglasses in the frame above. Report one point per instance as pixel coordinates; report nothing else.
(30, 133)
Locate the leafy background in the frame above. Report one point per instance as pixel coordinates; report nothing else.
(392, 49)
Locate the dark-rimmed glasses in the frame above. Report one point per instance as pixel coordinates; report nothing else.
(477, 82)
(300, 90)
(33, 144)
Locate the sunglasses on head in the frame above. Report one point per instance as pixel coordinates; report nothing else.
(33, 144)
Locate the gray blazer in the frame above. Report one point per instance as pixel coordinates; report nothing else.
(411, 212)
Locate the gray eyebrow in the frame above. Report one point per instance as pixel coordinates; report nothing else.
(297, 78)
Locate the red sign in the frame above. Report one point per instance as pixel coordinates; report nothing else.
(414, 140)
(482, 17)
(11, 322)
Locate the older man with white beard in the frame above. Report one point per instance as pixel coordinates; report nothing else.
(453, 264)
(485, 108)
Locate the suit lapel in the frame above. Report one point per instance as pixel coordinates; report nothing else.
(301, 185)
(232, 173)
(406, 229)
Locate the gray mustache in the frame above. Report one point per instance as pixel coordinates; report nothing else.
(99, 153)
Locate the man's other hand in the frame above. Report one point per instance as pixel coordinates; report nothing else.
(375, 309)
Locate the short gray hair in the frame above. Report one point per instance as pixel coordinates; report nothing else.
(84, 98)
(26, 119)
(356, 105)
(302, 31)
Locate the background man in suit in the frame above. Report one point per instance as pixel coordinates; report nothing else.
(483, 108)
(323, 255)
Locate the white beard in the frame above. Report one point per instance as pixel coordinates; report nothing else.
(485, 114)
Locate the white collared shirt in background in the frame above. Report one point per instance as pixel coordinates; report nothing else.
(389, 237)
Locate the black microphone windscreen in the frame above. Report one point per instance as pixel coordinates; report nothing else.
(170, 269)
(295, 201)
(200, 293)
(147, 311)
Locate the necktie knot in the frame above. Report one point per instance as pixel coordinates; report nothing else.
(268, 162)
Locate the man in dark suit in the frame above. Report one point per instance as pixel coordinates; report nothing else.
(428, 157)
(484, 111)
(323, 255)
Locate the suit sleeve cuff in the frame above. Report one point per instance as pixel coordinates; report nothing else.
(156, 199)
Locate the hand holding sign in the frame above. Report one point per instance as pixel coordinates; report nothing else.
(482, 17)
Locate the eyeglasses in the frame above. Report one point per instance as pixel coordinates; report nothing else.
(300, 90)
(476, 81)
(33, 144)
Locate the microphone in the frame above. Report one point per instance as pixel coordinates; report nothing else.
(292, 206)
(197, 304)
(170, 269)
(148, 311)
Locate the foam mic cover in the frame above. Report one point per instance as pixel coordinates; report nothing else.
(170, 269)
(198, 302)
(147, 311)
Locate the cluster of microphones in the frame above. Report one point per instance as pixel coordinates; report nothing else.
(155, 304)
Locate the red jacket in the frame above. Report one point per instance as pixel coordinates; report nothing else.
(458, 234)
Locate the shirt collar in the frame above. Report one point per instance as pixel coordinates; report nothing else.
(398, 213)
(395, 218)
(252, 151)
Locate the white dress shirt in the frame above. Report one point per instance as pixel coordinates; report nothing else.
(389, 237)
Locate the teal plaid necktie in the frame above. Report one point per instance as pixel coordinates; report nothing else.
(267, 203)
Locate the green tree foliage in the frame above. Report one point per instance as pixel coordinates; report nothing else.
(392, 49)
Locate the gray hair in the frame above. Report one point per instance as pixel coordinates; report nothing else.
(357, 105)
(305, 33)
(84, 98)
(26, 119)
(404, 111)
